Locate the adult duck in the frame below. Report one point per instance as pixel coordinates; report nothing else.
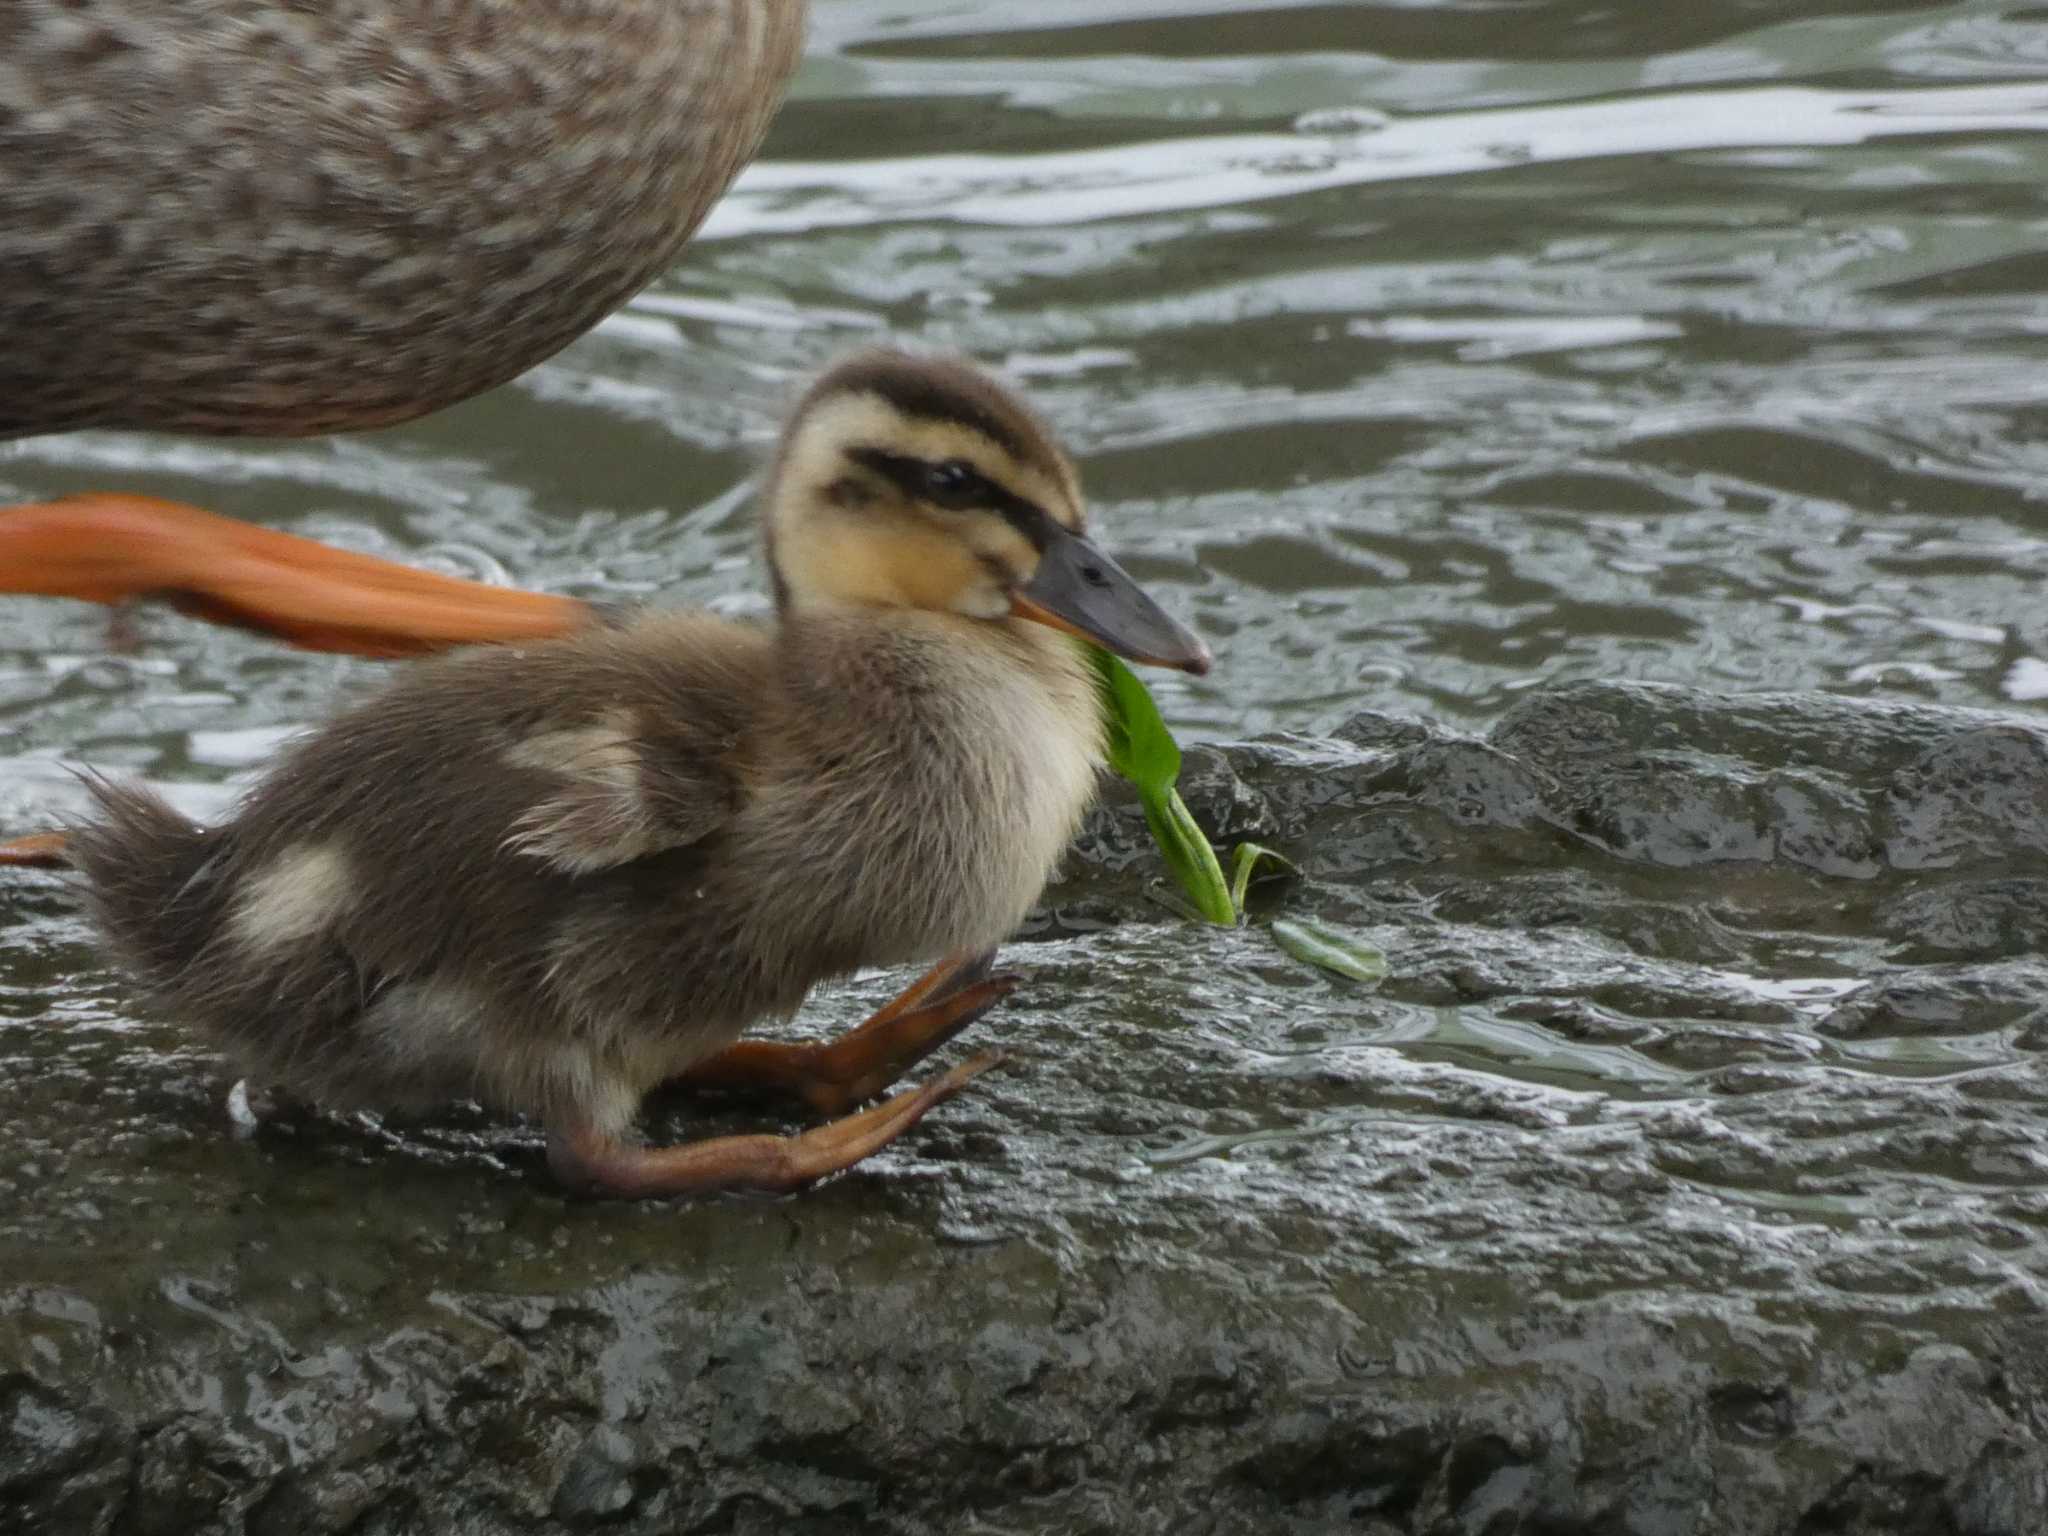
(231, 217)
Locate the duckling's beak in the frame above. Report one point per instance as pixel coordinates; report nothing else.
(1081, 590)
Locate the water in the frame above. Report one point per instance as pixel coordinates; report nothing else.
(1421, 353)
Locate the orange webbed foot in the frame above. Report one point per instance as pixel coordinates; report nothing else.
(832, 1076)
(118, 548)
(39, 850)
(587, 1160)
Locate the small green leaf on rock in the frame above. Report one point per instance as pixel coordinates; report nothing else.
(1332, 948)
(1243, 860)
(1191, 859)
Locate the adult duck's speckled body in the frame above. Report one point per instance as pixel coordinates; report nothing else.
(552, 877)
(240, 216)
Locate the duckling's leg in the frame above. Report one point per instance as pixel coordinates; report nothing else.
(834, 1075)
(588, 1159)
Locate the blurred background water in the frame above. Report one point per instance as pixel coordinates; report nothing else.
(1420, 352)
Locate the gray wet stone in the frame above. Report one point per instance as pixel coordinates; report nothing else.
(598, 1485)
(1687, 1174)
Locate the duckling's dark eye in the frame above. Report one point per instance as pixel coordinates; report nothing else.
(954, 484)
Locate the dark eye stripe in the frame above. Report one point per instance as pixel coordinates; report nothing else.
(912, 476)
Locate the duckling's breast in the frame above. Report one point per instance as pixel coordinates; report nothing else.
(920, 789)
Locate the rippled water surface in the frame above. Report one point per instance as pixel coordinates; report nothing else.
(1421, 351)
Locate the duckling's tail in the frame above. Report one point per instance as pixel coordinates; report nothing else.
(147, 877)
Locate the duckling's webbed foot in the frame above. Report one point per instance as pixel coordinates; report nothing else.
(834, 1076)
(589, 1160)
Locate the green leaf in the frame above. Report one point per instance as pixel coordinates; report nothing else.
(1140, 746)
(1191, 859)
(1144, 751)
(1243, 859)
(1330, 947)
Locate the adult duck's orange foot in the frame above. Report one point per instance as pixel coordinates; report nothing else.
(834, 1075)
(118, 549)
(122, 549)
(587, 1160)
(39, 850)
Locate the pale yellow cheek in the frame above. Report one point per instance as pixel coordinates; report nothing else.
(995, 540)
(823, 560)
(1003, 560)
(907, 566)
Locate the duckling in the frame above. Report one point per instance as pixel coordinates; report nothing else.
(551, 877)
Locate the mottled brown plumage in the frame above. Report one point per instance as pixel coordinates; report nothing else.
(552, 876)
(257, 217)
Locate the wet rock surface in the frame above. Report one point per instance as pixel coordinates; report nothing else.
(1688, 1174)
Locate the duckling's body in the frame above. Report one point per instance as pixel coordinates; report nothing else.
(552, 877)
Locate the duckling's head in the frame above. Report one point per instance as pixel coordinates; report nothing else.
(925, 483)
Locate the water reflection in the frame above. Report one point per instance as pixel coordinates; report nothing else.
(1432, 352)
(1342, 150)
